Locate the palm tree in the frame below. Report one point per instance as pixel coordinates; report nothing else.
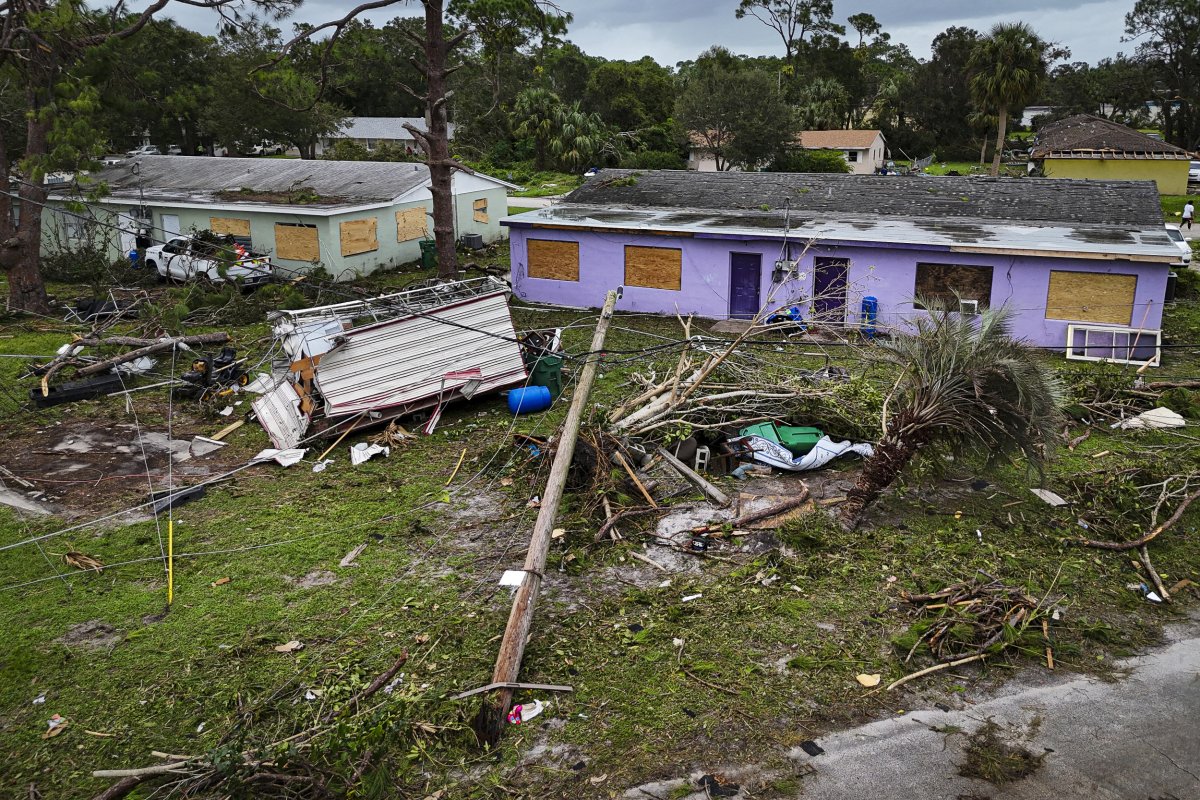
(823, 105)
(1007, 71)
(982, 122)
(966, 385)
(535, 112)
(578, 136)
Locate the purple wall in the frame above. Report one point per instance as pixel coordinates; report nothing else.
(887, 273)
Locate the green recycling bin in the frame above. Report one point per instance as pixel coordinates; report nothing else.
(429, 253)
(547, 371)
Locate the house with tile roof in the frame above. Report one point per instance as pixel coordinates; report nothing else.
(1083, 265)
(1094, 148)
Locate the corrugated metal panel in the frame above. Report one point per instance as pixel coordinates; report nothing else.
(406, 360)
(279, 413)
(308, 339)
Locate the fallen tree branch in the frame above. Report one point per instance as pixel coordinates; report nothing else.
(139, 772)
(936, 668)
(766, 513)
(147, 347)
(620, 515)
(120, 789)
(1149, 536)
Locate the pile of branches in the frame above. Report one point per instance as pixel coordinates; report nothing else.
(972, 620)
(690, 395)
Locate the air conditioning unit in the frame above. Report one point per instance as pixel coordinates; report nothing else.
(968, 307)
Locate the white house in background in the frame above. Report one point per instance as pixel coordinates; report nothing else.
(370, 132)
(864, 151)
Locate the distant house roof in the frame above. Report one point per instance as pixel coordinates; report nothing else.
(265, 181)
(383, 128)
(1084, 135)
(1098, 219)
(837, 140)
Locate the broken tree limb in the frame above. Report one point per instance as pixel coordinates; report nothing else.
(620, 515)
(139, 772)
(1187, 501)
(1144, 554)
(147, 347)
(120, 789)
(641, 487)
(715, 494)
(766, 513)
(516, 633)
(1160, 385)
(936, 668)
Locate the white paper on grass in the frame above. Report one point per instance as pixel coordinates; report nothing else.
(363, 452)
(285, 458)
(1154, 418)
(512, 577)
(1050, 497)
(776, 455)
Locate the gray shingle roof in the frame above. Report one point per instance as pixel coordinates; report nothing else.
(383, 127)
(1084, 132)
(201, 179)
(822, 196)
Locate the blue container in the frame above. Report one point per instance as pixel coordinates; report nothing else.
(529, 400)
(870, 313)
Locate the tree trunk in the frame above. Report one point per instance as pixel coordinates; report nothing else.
(892, 455)
(1000, 135)
(26, 291)
(983, 150)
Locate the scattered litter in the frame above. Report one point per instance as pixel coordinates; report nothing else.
(348, 559)
(1082, 523)
(200, 727)
(57, 724)
(1153, 597)
(690, 597)
(713, 787)
(164, 501)
(521, 713)
(512, 577)
(284, 458)
(746, 470)
(868, 680)
(321, 465)
(1183, 584)
(391, 687)
(310, 695)
(363, 452)
(665, 583)
(1154, 418)
(261, 384)
(394, 435)
(138, 366)
(776, 455)
(41, 698)
(506, 481)
(558, 533)
(599, 779)
(226, 411)
(979, 533)
(812, 748)
(220, 582)
(83, 561)
(1050, 497)
(290, 647)
(534, 502)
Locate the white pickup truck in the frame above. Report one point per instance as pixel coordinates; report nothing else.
(185, 259)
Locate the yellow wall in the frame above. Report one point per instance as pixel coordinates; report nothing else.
(1171, 176)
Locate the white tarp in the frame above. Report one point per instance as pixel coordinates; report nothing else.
(1154, 418)
(776, 455)
(284, 458)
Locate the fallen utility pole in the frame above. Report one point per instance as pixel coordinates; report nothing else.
(147, 347)
(512, 647)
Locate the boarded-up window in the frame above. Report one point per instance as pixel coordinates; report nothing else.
(295, 242)
(946, 281)
(480, 208)
(653, 267)
(556, 261)
(1091, 297)
(231, 226)
(411, 224)
(359, 236)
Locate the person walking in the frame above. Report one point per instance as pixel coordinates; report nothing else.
(1189, 211)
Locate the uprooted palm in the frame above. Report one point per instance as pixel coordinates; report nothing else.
(964, 383)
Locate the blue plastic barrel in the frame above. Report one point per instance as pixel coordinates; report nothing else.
(528, 400)
(870, 313)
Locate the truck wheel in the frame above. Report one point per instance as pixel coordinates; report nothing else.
(157, 275)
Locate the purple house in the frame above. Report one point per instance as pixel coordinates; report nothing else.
(1082, 264)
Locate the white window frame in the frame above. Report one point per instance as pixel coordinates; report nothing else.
(1139, 335)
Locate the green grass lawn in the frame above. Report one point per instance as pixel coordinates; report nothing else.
(768, 654)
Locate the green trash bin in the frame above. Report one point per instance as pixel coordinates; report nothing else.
(799, 440)
(547, 371)
(429, 253)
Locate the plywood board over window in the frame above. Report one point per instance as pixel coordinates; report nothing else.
(480, 209)
(295, 242)
(654, 267)
(231, 226)
(411, 224)
(359, 236)
(556, 261)
(1091, 297)
(945, 282)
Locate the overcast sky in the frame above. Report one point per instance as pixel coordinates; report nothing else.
(677, 30)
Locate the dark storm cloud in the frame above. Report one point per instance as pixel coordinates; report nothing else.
(676, 30)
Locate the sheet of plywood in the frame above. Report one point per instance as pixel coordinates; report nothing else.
(411, 223)
(556, 261)
(1091, 297)
(297, 242)
(358, 236)
(480, 209)
(653, 267)
(945, 281)
(231, 226)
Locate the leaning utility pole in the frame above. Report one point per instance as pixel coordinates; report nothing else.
(512, 647)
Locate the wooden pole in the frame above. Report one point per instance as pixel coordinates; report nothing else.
(512, 646)
(713, 493)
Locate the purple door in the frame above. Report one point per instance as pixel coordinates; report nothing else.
(745, 277)
(829, 290)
